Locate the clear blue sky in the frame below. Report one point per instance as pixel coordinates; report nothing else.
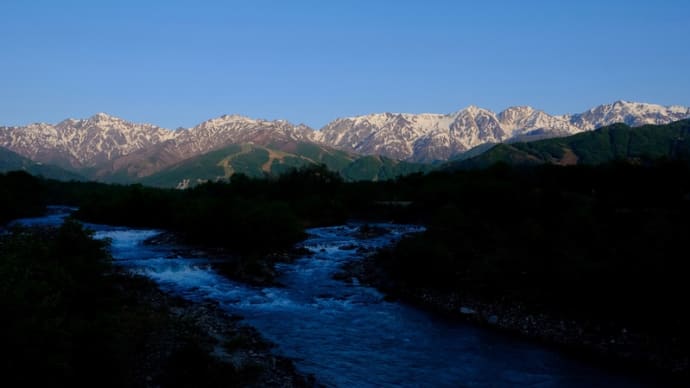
(177, 63)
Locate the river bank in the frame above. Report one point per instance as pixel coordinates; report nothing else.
(344, 334)
(124, 329)
(330, 247)
(609, 344)
(255, 270)
(198, 344)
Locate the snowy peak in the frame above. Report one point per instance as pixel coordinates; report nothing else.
(418, 137)
(474, 125)
(101, 120)
(472, 110)
(226, 120)
(515, 115)
(387, 134)
(237, 129)
(101, 116)
(76, 143)
(427, 137)
(90, 142)
(631, 113)
(523, 120)
(105, 140)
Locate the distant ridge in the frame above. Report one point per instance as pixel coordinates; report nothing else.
(430, 137)
(615, 142)
(108, 148)
(259, 161)
(11, 161)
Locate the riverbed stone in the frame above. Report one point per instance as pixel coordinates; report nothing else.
(467, 310)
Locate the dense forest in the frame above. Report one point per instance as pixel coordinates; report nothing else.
(21, 195)
(538, 233)
(71, 318)
(61, 304)
(602, 242)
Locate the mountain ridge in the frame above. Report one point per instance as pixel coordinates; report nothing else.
(11, 161)
(104, 146)
(427, 137)
(643, 144)
(260, 161)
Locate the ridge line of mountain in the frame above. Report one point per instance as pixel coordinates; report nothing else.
(471, 107)
(103, 145)
(645, 144)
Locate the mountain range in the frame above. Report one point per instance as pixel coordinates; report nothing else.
(647, 143)
(430, 137)
(108, 148)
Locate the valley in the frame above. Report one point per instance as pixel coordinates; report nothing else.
(535, 240)
(543, 251)
(344, 194)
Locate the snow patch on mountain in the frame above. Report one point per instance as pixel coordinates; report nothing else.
(631, 113)
(428, 137)
(104, 140)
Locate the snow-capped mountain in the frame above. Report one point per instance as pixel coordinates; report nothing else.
(236, 129)
(104, 145)
(428, 137)
(82, 143)
(524, 120)
(632, 113)
(104, 142)
(208, 136)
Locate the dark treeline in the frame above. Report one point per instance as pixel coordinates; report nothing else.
(70, 320)
(21, 195)
(607, 242)
(63, 322)
(246, 215)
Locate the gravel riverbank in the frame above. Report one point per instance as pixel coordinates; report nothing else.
(660, 354)
(200, 345)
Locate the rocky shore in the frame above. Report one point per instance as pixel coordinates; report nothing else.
(656, 354)
(253, 270)
(194, 344)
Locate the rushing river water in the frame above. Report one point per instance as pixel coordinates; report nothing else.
(347, 334)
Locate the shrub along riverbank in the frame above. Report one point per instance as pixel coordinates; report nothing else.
(70, 320)
(602, 244)
(21, 195)
(246, 216)
(593, 257)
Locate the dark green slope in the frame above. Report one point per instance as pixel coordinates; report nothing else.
(259, 161)
(615, 142)
(472, 152)
(379, 168)
(11, 161)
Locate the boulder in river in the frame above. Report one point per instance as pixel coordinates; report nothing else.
(467, 311)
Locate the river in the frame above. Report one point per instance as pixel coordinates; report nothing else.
(347, 334)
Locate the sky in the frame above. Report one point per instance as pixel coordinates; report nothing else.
(178, 63)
